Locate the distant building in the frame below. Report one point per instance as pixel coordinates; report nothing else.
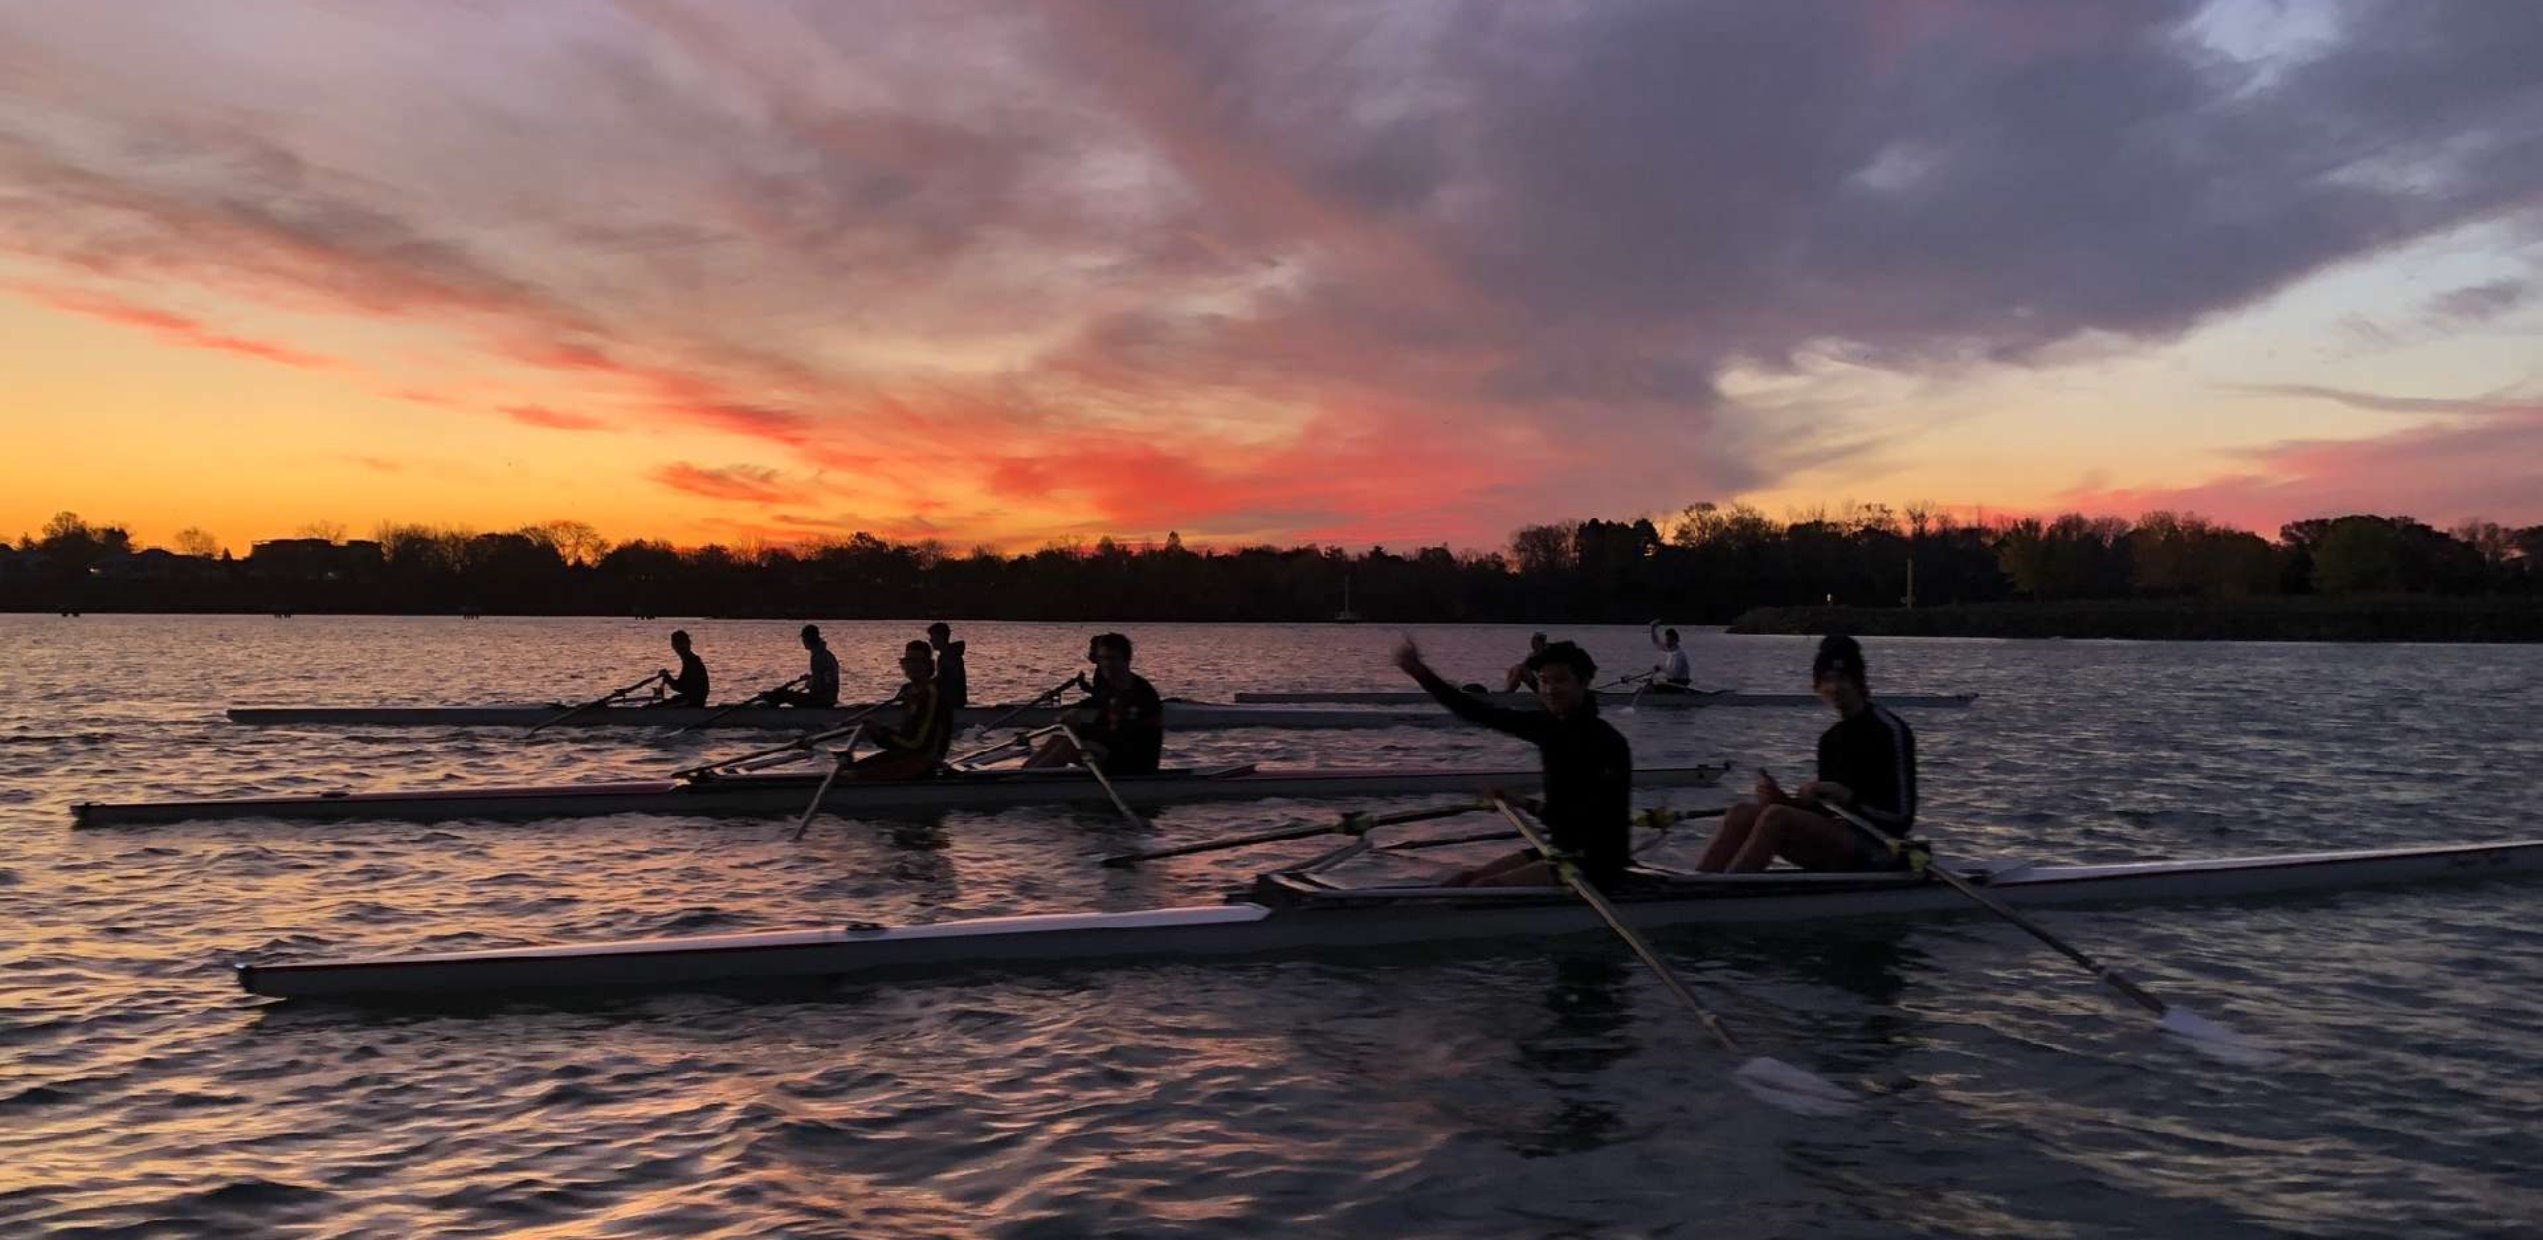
(314, 559)
(155, 564)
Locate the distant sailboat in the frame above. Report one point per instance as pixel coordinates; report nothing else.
(1346, 615)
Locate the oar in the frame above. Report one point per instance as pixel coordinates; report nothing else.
(1657, 819)
(1346, 824)
(1045, 696)
(2204, 1034)
(775, 754)
(757, 699)
(1771, 1081)
(1021, 738)
(1098, 772)
(594, 704)
(823, 791)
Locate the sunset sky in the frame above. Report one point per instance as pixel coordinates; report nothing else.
(1400, 273)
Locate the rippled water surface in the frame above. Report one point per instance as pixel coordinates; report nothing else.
(1510, 1089)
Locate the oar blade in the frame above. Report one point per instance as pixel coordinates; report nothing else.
(2214, 1040)
(1789, 1087)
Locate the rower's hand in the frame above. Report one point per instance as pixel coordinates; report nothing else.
(1408, 657)
(1827, 792)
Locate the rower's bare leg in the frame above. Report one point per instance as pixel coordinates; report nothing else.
(1057, 751)
(1729, 837)
(1810, 840)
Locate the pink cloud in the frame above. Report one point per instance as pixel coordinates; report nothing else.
(541, 415)
(755, 484)
(172, 327)
(2490, 469)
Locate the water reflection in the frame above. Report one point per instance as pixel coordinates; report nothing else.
(1591, 1009)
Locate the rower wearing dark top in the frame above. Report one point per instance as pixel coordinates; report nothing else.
(1123, 723)
(914, 748)
(1521, 675)
(952, 678)
(1867, 763)
(688, 688)
(1589, 769)
(821, 689)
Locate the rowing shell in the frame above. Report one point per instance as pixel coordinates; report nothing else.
(782, 794)
(1654, 699)
(1293, 913)
(1189, 716)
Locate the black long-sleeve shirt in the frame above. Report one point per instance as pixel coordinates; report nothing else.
(1128, 720)
(1589, 773)
(1874, 755)
(689, 687)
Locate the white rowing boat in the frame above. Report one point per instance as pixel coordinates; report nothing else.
(760, 795)
(1296, 911)
(1655, 699)
(1187, 716)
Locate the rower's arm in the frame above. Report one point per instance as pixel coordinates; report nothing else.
(1524, 724)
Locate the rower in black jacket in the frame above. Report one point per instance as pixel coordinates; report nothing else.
(1589, 769)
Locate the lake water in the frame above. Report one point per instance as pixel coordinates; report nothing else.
(1514, 1089)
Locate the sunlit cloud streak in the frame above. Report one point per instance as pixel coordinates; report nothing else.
(1385, 271)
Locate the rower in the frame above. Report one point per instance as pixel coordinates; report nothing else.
(952, 678)
(1867, 763)
(688, 688)
(916, 748)
(1521, 675)
(1674, 676)
(1589, 769)
(1123, 723)
(822, 688)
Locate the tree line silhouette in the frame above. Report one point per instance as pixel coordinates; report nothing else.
(1705, 564)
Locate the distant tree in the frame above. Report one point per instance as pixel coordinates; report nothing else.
(575, 542)
(1543, 549)
(330, 531)
(2358, 555)
(195, 540)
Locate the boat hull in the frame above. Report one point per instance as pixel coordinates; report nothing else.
(1295, 914)
(1612, 698)
(1189, 716)
(780, 795)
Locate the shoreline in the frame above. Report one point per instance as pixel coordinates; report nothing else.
(2484, 621)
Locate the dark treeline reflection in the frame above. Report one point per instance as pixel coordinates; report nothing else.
(1706, 564)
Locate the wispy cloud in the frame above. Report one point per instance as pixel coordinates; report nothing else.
(753, 484)
(552, 419)
(1399, 271)
(171, 327)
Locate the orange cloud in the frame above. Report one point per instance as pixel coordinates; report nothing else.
(540, 415)
(755, 484)
(171, 327)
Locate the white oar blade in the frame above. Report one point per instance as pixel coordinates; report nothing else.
(2216, 1041)
(1798, 1090)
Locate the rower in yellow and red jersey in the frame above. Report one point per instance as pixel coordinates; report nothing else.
(1122, 724)
(915, 747)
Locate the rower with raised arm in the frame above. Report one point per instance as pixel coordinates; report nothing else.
(1521, 675)
(1672, 675)
(1122, 724)
(914, 748)
(689, 684)
(953, 679)
(1589, 768)
(1867, 764)
(821, 689)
